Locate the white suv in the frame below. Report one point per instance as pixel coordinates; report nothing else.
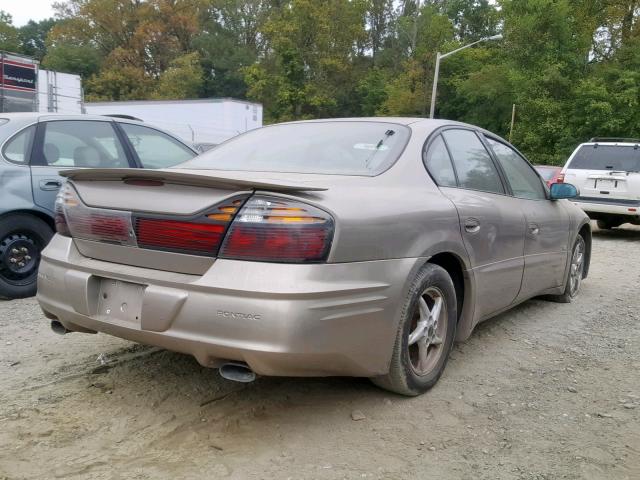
(607, 172)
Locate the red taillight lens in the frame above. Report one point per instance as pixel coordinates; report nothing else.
(177, 235)
(59, 218)
(279, 230)
(266, 228)
(73, 218)
(560, 178)
(201, 235)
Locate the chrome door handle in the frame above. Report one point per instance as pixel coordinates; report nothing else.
(471, 225)
(534, 229)
(50, 184)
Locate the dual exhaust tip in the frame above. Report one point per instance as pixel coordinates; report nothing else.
(234, 371)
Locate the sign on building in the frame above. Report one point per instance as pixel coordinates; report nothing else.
(18, 83)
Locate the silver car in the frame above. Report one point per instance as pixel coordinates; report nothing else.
(361, 247)
(35, 148)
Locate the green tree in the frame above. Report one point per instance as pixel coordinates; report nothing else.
(183, 78)
(83, 60)
(307, 69)
(8, 34)
(118, 83)
(33, 38)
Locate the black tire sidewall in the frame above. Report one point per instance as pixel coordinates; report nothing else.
(430, 276)
(40, 232)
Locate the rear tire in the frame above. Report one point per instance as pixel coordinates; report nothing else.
(425, 335)
(22, 238)
(576, 270)
(608, 224)
(604, 225)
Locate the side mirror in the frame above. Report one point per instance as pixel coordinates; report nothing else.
(563, 190)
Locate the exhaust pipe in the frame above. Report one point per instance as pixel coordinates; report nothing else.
(58, 328)
(237, 372)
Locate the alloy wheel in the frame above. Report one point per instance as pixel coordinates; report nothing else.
(428, 329)
(577, 267)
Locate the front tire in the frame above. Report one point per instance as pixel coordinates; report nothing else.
(425, 334)
(22, 238)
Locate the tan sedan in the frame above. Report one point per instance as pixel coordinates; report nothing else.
(360, 247)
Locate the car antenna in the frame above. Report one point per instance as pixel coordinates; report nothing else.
(387, 134)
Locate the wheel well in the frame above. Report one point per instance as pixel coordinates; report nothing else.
(454, 268)
(34, 213)
(585, 232)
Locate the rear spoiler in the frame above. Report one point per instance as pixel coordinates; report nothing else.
(199, 178)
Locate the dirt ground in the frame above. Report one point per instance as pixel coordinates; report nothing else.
(545, 391)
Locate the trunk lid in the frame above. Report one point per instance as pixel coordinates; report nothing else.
(180, 192)
(171, 198)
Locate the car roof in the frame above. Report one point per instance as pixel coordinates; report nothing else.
(37, 116)
(610, 144)
(436, 122)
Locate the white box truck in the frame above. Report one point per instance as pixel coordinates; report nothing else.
(59, 92)
(204, 122)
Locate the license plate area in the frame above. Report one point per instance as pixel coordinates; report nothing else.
(609, 184)
(118, 300)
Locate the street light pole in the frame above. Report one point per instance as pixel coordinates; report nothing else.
(434, 88)
(436, 72)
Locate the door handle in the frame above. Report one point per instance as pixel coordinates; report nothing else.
(50, 184)
(472, 225)
(534, 229)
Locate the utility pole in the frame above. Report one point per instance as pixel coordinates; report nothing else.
(513, 120)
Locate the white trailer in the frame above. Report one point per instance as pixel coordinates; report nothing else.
(59, 92)
(204, 121)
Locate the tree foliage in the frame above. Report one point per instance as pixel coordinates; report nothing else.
(571, 67)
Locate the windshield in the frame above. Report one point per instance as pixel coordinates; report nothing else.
(338, 148)
(607, 157)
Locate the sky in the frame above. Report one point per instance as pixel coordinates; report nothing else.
(24, 10)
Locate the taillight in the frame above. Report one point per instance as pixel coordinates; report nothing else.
(278, 230)
(64, 195)
(200, 235)
(265, 228)
(176, 235)
(560, 178)
(74, 218)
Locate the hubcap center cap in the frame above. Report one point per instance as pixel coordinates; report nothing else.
(18, 255)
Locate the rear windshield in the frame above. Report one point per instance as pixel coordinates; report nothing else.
(339, 148)
(607, 157)
(546, 172)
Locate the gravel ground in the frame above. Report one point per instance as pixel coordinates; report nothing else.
(545, 391)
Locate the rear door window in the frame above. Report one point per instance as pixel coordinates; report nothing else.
(81, 143)
(154, 148)
(475, 169)
(607, 157)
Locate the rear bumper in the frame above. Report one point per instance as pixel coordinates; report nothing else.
(629, 208)
(294, 320)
